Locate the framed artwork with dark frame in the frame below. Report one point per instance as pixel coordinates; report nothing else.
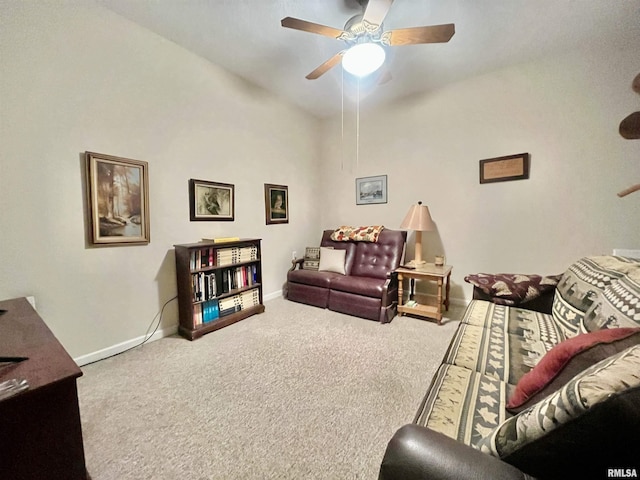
(117, 200)
(211, 201)
(276, 203)
(371, 190)
(502, 169)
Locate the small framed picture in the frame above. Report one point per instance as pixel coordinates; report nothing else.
(211, 201)
(276, 203)
(371, 190)
(117, 200)
(502, 169)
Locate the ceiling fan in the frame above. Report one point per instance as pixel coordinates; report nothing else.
(365, 30)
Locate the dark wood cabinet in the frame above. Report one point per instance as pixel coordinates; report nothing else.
(40, 430)
(218, 284)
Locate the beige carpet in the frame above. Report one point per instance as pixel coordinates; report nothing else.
(294, 393)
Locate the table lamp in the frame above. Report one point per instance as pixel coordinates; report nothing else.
(418, 219)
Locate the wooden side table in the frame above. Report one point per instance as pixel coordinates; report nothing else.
(427, 271)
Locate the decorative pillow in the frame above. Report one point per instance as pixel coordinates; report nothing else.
(332, 260)
(580, 286)
(311, 258)
(599, 384)
(617, 306)
(590, 274)
(357, 234)
(565, 361)
(512, 289)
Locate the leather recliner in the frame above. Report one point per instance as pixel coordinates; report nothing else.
(369, 288)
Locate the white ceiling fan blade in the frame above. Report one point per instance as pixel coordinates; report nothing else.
(376, 11)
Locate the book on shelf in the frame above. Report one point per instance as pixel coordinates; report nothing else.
(197, 314)
(210, 311)
(231, 255)
(250, 298)
(239, 302)
(221, 239)
(233, 278)
(202, 258)
(204, 286)
(229, 305)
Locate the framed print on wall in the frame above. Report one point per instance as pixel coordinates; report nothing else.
(502, 169)
(117, 200)
(276, 203)
(211, 201)
(371, 190)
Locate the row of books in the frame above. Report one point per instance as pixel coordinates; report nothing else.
(208, 285)
(205, 257)
(238, 302)
(231, 255)
(212, 256)
(214, 309)
(206, 312)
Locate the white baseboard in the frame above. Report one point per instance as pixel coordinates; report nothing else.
(121, 347)
(460, 302)
(272, 296)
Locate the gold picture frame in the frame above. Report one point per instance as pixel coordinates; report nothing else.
(117, 200)
(502, 169)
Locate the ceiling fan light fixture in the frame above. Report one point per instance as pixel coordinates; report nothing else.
(363, 59)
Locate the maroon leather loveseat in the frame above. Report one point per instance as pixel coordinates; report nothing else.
(369, 289)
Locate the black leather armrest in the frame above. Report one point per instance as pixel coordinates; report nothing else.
(418, 453)
(390, 288)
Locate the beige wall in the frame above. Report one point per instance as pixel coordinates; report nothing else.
(563, 110)
(76, 78)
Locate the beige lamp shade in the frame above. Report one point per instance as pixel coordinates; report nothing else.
(418, 219)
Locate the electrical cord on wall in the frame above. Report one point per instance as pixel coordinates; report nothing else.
(147, 335)
(159, 317)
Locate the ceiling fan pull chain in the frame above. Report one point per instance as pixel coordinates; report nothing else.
(342, 125)
(358, 125)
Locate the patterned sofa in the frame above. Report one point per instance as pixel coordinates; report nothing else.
(524, 394)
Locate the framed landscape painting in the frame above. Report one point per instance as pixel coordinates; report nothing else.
(211, 201)
(117, 200)
(371, 190)
(276, 203)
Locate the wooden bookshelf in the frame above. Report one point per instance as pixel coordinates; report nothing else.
(218, 284)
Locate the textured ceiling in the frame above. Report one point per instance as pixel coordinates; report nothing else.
(245, 37)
